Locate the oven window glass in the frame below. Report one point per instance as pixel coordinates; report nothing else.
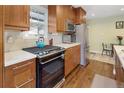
(52, 72)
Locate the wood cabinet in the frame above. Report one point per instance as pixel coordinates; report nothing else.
(119, 71)
(21, 75)
(72, 59)
(1, 45)
(79, 15)
(56, 19)
(119, 76)
(60, 14)
(61, 22)
(69, 13)
(52, 25)
(17, 17)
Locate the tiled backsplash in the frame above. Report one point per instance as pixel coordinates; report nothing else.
(57, 38)
(16, 40)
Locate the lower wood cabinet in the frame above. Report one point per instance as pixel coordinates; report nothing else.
(21, 75)
(72, 59)
(119, 71)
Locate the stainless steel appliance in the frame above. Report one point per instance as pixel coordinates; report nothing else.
(82, 38)
(49, 65)
(70, 26)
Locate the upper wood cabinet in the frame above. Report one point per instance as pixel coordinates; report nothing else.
(60, 18)
(1, 46)
(56, 18)
(17, 17)
(21, 75)
(58, 15)
(79, 15)
(71, 14)
(52, 25)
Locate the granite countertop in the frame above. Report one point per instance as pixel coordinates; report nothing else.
(17, 57)
(66, 45)
(120, 53)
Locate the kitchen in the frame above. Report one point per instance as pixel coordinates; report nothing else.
(43, 66)
(42, 46)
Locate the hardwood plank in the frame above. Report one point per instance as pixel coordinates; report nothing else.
(82, 77)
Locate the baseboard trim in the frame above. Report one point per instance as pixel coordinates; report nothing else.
(95, 52)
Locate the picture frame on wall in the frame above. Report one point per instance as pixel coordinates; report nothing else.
(119, 24)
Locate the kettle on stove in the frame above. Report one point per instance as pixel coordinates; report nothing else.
(40, 43)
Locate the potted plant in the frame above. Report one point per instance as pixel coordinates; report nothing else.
(120, 39)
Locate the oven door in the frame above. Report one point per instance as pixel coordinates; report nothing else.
(50, 70)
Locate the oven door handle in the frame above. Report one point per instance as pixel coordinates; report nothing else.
(61, 56)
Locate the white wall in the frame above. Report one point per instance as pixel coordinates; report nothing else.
(103, 30)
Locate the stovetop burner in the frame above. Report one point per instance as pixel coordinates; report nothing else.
(43, 51)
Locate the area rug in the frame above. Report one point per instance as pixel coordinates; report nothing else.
(100, 81)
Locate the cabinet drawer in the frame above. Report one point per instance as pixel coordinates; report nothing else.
(21, 74)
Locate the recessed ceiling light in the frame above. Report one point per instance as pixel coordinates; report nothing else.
(122, 9)
(92, 14)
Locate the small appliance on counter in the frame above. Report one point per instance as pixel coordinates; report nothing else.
(69, 37)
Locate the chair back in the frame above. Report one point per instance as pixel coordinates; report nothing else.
(104, 46)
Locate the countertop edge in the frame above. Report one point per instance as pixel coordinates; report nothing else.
(17, 60)
(66, 46)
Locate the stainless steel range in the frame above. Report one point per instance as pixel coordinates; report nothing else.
(49, 65)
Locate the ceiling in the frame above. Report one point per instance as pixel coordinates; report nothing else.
(100, 11)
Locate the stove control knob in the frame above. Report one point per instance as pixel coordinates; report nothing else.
(47, 52)
(44, 52)
(40, 53)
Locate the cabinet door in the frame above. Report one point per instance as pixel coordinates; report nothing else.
(80, 13)
(17, 17)
(68, 61)
(119, 70)
(72, 59)
(60, 18)
(21, 75)
(69, 13)
(77, 54)
(1, 46)
(52, 18)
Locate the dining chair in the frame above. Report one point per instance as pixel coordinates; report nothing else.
(106, 50)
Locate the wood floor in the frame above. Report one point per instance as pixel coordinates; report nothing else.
(83, 77)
